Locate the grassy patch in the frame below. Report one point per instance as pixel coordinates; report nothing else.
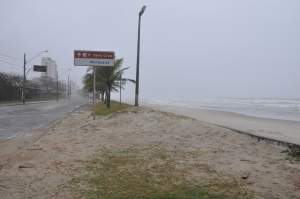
(293, 153)
(102, 110)
(146, 174)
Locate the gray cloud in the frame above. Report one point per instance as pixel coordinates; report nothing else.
(190, 49)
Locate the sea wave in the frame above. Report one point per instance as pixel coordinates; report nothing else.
(284, 109)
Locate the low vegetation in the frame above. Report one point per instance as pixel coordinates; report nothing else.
(102, 110)
(148, 173)
(293, 153)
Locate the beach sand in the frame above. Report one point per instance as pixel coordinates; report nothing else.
(282, 130)
(41, 165)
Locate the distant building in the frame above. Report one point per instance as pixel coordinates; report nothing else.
(51, 67)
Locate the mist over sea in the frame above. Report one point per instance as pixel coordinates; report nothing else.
(284, 109)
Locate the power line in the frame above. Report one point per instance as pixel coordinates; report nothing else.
(9, 56)
(10, 63)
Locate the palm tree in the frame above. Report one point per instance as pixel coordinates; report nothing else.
(108, 79)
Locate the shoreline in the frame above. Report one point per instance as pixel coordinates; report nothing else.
(269, 108)
(286, 131)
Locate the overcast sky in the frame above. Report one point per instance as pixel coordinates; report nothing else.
(190, 48)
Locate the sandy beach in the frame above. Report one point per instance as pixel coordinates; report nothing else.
(44, 164)
(282, 130)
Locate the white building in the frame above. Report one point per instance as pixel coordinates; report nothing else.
(51, 67)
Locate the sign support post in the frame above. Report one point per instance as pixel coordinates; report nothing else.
(94, 91)
(121, 89)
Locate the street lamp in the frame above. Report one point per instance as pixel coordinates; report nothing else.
(67, 72)
(138, 58)
(69, 86)
(24, 71)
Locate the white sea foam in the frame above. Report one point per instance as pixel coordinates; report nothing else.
(285, 109)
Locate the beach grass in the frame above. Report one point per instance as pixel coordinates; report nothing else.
(146, 174)
(293, 153)
(102, 110)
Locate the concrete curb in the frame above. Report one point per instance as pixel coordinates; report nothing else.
(17, 104)
(261, 138)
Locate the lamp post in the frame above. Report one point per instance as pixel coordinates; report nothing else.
(24, 72)
(69, 85)
(138, 58)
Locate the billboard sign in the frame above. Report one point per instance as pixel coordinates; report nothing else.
(39, 68)
(94, 58)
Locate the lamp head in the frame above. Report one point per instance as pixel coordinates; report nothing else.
(142, 11)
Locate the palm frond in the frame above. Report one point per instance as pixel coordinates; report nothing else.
(107, 77)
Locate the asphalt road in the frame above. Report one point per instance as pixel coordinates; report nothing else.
(19, 119)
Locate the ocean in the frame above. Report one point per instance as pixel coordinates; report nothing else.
(284, 109)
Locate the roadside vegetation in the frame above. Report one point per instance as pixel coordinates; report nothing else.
(102, 110)
(41, 88)
(147, 173)
(293, 153)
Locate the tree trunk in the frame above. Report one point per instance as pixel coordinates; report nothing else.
(105, 97)
(108, 97)
(102, 96)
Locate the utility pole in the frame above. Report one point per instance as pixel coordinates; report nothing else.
(68, 87)
(24, 74)
(24, 80)
(138, 59)
(57, 93)
(47, 89)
